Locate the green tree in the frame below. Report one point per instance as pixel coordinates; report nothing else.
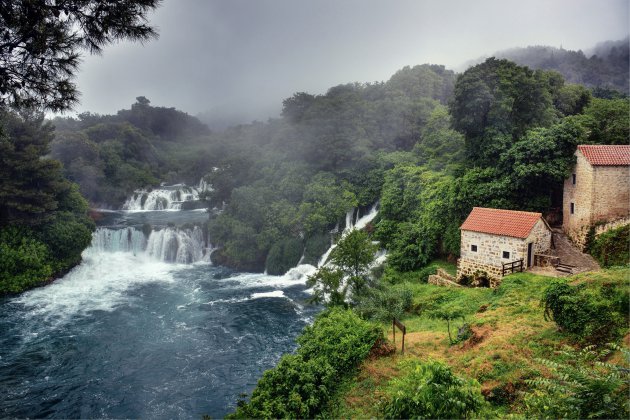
(29, 182)
(328, 287)
(41, 44)
(495, 103)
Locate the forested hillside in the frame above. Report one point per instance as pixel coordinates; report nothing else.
(427, 144)
(604, 67)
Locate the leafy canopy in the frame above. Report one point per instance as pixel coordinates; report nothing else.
(41, 43)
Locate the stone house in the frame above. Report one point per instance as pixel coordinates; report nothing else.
(597, 193)
(493, 237)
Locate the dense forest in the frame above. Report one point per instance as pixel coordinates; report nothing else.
(603, 68)
(428, 145)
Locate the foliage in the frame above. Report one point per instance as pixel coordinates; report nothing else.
(430, 390)
(582, 384)
(384, 304)
(283, 256)
(44, 225)
(301, 384)
(41, 43)
(590, 311)
(24, 260)
(604, 68)
(354, 253)
(448, 313)
(328, 287)
(347, 271)
(611, 247)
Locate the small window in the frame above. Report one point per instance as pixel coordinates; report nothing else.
(573, 179)
(473, 248)
(572, 208)
(506, 254)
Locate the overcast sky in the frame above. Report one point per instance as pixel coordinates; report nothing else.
(240, 58)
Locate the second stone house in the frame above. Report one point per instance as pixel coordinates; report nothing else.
(597, 194)
(494, 238)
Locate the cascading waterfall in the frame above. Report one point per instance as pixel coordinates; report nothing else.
(168, 244)
(175, 245)
(167, 197)
(352, 223)
(119, 240)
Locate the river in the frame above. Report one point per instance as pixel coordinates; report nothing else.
(132, 332)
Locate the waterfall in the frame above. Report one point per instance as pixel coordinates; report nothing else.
(352, 223)
(119, 240)
(169, 244)
(165, 197)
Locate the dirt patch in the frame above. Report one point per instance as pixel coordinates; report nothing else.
(381, 348)
(479, 334)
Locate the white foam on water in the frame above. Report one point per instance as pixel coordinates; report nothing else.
(274, 294)
(99, 283)
(294, 277)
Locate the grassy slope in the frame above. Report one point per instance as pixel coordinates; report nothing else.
(509, 334)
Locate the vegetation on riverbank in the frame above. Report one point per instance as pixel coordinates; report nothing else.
(511, 351)
(44, 223)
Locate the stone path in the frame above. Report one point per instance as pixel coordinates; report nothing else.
(569, 254)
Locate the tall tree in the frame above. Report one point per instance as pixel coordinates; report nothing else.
(29, 183)
(40, 44)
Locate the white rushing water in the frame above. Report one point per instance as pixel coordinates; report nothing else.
(352, 223)
(165, 197)
(167, 245)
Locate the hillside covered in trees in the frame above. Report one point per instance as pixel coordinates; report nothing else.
(604, 68)
(428, 145)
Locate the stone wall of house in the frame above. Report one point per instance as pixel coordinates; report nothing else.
(490, 248)
(540, 236)
(580, 195)
(489, 254)
(467, 267)
(611, 193)
(601, 228)
(600, 194)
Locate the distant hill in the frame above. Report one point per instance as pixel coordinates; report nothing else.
(606, 66)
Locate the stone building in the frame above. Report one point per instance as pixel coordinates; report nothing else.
(597, 194)
(493, 237)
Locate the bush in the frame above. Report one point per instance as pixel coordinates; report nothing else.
(611, 248)
(385, 304)
(591, 312)
(430, 390)
(301, 384)
(25, 261)
(581, 385)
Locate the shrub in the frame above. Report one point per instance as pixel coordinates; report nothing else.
(591, 312)
(611, 248)
(430, 390)
(385, 304)
(581, 385)
(301, 384)
(24, 260)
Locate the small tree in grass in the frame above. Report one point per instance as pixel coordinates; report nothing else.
(448, 314)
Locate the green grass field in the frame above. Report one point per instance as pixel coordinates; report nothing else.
(509, 335)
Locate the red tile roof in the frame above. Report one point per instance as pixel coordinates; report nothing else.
(517, 224)
(606, 154)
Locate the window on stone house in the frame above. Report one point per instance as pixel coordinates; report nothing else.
(573, 179)
(506, 254)
(473, 248)
(572, 208)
